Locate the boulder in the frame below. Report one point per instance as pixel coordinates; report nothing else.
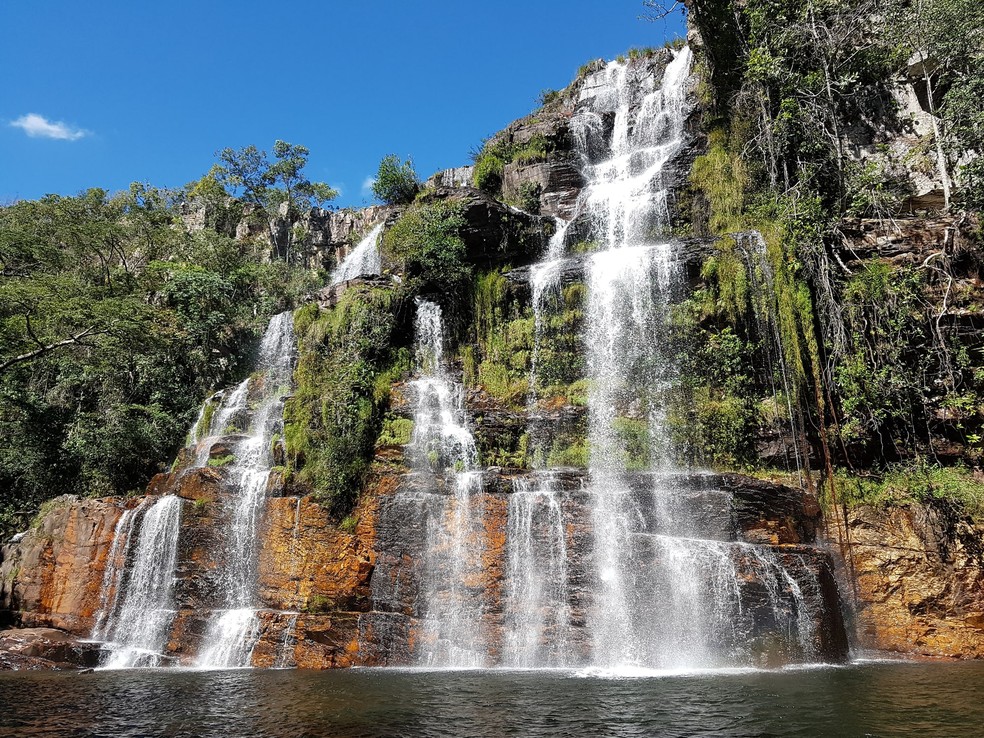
(558, 182)
(46, 648)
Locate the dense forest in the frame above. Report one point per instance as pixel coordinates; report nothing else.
(118, 320)
(811, 142)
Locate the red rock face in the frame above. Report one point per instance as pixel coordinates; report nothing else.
(54, 574)
(306, 563)
(335, 598)
(920, 581)
(313, 577)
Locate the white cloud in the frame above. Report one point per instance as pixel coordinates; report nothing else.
(367, 184)
(37, 126)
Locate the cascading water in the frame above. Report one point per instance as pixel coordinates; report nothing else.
(537, 610)
(232, 630)
(223, 411)
(138, 587)
(441, 443)
(669, 587)
(363, 259)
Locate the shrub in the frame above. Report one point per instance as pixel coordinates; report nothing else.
(396, 182)
(425, 238)
(488, 172)
(396, 432)
(528, 198)
(333, 419)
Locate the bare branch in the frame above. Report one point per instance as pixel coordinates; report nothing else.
(662, 9)
(31, 355)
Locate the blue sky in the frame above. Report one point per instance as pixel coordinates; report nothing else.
(110, 92)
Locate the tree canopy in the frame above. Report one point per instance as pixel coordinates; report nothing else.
(396, 182)
(248, 173)
(115, 324)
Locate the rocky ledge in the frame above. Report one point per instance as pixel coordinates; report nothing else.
(46, 648)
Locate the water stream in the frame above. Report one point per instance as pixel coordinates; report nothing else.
(232, 628)
(443, 445)
(364, 259)
(138, 585)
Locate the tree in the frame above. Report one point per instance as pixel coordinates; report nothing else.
(396, 183)
(249, 174)
(945, 40)
(243, 173)
(114, 326)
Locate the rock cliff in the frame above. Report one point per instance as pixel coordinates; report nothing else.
(340, 590)
(920, 580)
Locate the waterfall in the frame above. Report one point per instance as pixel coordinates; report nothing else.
(115, 567)
(669, 587)
(138, 622)
(442, 444)
(537, 610)
(232, 629)
(689, 583)
(545, 281)
(363, 259)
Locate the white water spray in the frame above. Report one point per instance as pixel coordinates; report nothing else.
(364, 259)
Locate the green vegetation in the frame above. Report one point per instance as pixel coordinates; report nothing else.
(47, 507)
(220, 461)
(201, 430)
(500, 361)
(496, 153)
(318, 604)
(528, 197)
(250, 175)
(396, 182)
(395, 432)
(345, 366)
(574, 454)
(943, 39)
(277, 188)
(892, 378)
(489, 165)
(425, 240)
(115, 324)
(903, 484)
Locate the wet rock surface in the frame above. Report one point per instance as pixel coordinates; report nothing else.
(753, 512)
(52, 577)
(45, 648)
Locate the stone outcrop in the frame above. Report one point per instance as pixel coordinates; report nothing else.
(53, 576)
(323, 236)
(329, 235)
(45, 648)
(450, 178)
(314, 577)
(920, 580)
(494, 233)
(556, 184)
(902, 240)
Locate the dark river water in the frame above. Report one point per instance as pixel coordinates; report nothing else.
(876, 699)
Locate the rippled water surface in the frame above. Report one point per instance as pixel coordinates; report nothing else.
(877, 699)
